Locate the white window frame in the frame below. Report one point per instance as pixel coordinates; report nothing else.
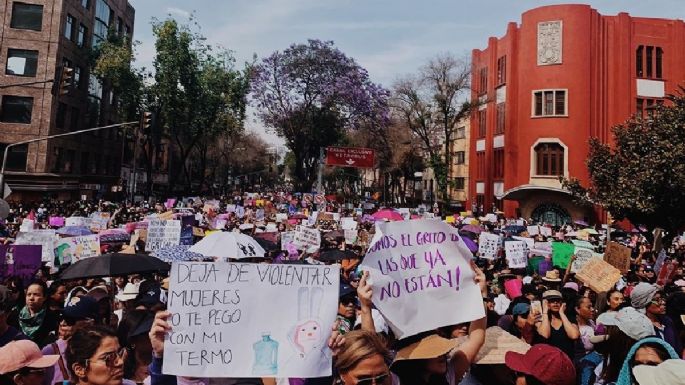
(554, 91)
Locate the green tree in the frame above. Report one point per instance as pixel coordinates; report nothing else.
(641, 176)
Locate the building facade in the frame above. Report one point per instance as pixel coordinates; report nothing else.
(459, 167)
(39, 36)
(563, 75)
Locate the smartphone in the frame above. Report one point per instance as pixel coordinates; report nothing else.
(536, 307)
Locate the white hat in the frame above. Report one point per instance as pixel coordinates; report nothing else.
(669, 372)
(378, 322)
(130, 292)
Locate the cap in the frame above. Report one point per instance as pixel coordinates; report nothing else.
(24, 354)
(150, 297)
(634, 324)
(345, 290)
(520, 309)
(130, 292)
(669, 372)
(546, 363)
(572, 286)
(552, 294)
(143, 327)
(81, 308)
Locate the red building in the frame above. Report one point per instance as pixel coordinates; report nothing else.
(562, 76)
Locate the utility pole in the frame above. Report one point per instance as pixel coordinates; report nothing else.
(319, 184)
(4, 157)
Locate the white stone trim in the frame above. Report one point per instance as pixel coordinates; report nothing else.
(651, 88)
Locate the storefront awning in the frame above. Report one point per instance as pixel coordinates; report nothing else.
(522, 192)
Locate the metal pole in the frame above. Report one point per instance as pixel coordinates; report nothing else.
(4, 158)
(319, 185)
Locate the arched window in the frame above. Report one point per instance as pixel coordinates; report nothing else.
(549, 159)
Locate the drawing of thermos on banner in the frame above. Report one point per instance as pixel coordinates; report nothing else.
(265, 356)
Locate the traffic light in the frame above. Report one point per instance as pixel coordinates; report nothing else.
(146, 122)
(62, 83)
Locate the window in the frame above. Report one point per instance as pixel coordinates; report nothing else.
(498, 158)
(74, 124)
(649, 62)
(645, 107)
(127, 32)
(84, 163)
(61, 115)
(16, 109)
(459, 183)
(480, 164)
(460, 133)
(482, 123)
(501, 70)
(93, 113)
(549, 103)
(82, 35)
(459, 157)
(21, 62)
(500, 118)
(119, 26)
(76, 79)
(16, 156)
(85, 3)
(483, 83)
(69, 32)
(94, 87)
(103, 14)
(550, 159)
(480, 202)
(27, 16)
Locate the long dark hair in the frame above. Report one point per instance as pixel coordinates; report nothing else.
(615, 349)
(131, 321)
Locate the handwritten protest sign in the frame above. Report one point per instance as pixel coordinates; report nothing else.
(351, 236)
(562, 253)
(45, 238)
(56, 221)
(618, 256)
(488, 245)
(74, 249)
(533, 230)
(99, 220)
(419, 266)
(281, 217)
(583, 256)
(545, 231)
(599, 275)
(161, 234)
(286, 238)
(543, 249)
(517, 256)
(20, 260)
(307, 239)
(27, 225)
(667, 272)
(348, 224)
(250, 320)
(77, 221)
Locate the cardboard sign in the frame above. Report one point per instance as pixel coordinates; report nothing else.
(517, 256)
(250, 320)
(20, 260)
(545, 231)
(660, 261)
(74, 249)
(27, 225)
(583, 256)
(658, 240)
(562, 253)
(45, 238)
(488, 245)
(543, 249)
(618, 256)
(163, 233)
(599, 275)
(416, 267)
(307, 239)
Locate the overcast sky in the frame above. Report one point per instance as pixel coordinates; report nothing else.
(389, 38)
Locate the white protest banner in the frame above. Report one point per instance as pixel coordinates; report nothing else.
(287, 237)
(533, 230)
(77, 221)
(74, 249)
(542, 249)
(417, 267)
(161, 234)
(488, 245)
(27, 225)
(348, 224)
(307, 239)
(530, 242)
(250, 320)
(281, 217)
(351, 236)
(44, 238)
(99, 220)
(583, 256)
(517, 256)
(545, 231)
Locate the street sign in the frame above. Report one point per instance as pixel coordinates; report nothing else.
(350, 157)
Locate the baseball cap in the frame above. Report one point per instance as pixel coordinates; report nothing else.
(346, 290)
(81, 308)
(24, 354)
(669, 372)
(544, 362)
(520, 309)
(552, 294)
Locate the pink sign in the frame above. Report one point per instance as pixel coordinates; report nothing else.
(513, 288)
(56, 221)
(170, 203)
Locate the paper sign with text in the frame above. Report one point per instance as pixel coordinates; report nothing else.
(77, 221)
(74, 249)
(307, 239)
(351, 237)
(488, 245)
(45, 238)
(250, 320)
(517, 256)
(583, 256)
(599, 275)
(618, 256)
(417, 267)
(161, 234)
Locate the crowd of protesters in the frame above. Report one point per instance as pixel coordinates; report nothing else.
(552, 331)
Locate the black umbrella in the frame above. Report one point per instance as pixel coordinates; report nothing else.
(266, 244)
(109, 265)
(337, 255)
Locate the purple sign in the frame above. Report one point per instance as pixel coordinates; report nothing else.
(20, 260)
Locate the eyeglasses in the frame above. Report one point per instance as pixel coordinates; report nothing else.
(658, 301)
(373, 380)
(110, 359)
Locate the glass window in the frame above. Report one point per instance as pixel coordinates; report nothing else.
(459, 183)
(21, 62)
(61, 115)
(16, 109)
(74, 125)
(650, 52)
(638, 61)
(659, 62)
(27, 16)
(84, 163)
(69, 28)
(560, 102)
(461, 133)
(82, 35)
(76, 80)
(85, 3)
(550, 159)
(549, 103)
(16, 156)
(501, 118)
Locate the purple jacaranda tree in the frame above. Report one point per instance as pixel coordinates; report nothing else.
(310, 94)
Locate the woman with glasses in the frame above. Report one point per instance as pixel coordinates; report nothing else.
(95, 357)
(554, 327)
(664, 326)
(363, 360)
